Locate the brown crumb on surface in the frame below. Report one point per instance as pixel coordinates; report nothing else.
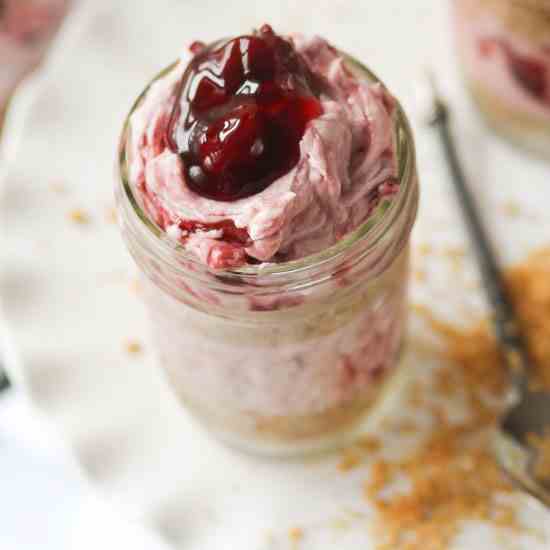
(111, 215)
(445, 382)
(511, 209)
(456, 255)
(135, 286)
(79, 216)
(57, 187)
(416, 397)
(420, 275)
(454, 251)
(452, 476)
(380, 475)
(369, 443)
(296, 534)
(541, 443)
(425, 249)
(133, 347)
(350, 460)
(363, 448)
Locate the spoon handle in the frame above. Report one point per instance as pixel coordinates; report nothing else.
(504, 318)
(4, 380)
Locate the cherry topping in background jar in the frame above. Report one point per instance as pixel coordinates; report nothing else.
(504, 48)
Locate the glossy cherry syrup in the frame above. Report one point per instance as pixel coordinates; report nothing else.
(241, 109)
(530, 73)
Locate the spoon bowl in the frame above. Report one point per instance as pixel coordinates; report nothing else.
(531, 415)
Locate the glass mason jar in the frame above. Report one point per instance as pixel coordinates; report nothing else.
(287, 358)
(504, 48)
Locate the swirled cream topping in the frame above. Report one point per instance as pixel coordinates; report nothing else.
(271, 165)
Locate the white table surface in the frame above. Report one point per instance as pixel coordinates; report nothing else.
(113, 412)
(46, 503)
(34, 474)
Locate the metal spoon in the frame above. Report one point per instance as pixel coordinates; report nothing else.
(4, 380)
(529, 409)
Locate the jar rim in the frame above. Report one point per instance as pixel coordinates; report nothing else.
(367, 233)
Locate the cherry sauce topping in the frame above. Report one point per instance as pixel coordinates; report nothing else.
(240, 111)
(530, 73)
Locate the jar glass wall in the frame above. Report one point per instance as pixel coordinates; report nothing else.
(504, 48)
(284, 358)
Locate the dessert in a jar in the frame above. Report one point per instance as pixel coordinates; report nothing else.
(26, 30)
(504, 47)
(267, 192)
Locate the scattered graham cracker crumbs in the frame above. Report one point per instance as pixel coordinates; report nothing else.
(454, 251)
(445, 382)
(78, 216)
(380, 475)
(350, 460)
(511, 209)
(452, 475)
(362, 449)
(296, 534)
(505, 516)
(369, 443)
(133, 347)
(451, 481)
(542, 446)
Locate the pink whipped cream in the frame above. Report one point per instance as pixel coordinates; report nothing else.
(26, 28)
(512, 67)
(347, 165)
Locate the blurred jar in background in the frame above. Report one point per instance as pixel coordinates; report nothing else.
(504, 47)
(26, 30)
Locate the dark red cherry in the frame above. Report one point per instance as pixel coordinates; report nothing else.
(241, 109)
(530, 73)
